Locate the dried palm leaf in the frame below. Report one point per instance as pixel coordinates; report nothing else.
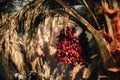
(108, 20)
(86, 5)
(115, 4)
(108, 60)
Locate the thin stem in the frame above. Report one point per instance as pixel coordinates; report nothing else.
(86, 5)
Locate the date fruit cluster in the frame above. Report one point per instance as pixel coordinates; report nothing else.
(68, 48)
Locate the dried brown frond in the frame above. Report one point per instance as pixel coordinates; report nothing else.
(13, 47)
(35, 27)
(75, 70)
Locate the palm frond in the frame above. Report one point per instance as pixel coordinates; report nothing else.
(108, 20)
(106, 56)
(28, 40)
(86, 5)
(115, 4)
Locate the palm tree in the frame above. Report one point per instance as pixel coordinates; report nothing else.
(28, 40)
